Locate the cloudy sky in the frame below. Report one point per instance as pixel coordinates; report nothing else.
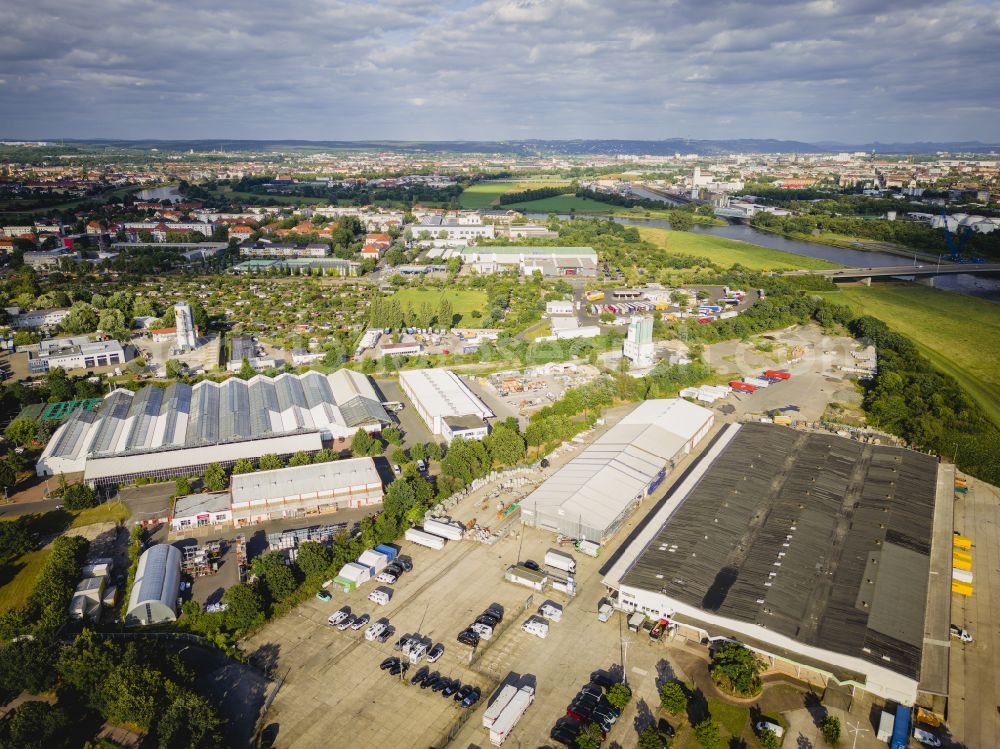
(847, 70)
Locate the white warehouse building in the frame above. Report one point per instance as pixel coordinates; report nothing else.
(299, 491)
(162, 433)
(157, 583)
(445, 403)
(595, 493)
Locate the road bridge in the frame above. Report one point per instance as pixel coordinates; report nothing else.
(925, 270)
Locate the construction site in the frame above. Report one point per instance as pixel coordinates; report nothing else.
(524, 391)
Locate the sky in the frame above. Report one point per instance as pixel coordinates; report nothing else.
(851, 71)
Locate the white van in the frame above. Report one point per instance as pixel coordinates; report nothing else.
(381, 597)
(536, 627)
(417, 651)
(374, 631)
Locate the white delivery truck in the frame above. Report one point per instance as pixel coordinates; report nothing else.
(510, 715)
(560, 560)
(496, 707)
(424, 539)
(441, 528)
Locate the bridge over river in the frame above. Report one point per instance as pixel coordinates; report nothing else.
(926, 270)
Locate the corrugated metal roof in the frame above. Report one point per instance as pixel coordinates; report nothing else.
(357, 473)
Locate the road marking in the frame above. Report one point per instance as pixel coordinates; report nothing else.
(639, 671)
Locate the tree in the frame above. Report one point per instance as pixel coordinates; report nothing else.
(399, 498)
(245, 607)
(246, 370)
(505, 446)
(650, 738)
(79, 497)
(590, 737)
(215, 478)
(270, 462)
(737, 669)
(619, 695)
(243, 465)
(392, 435)
(363, 444)
(680, 221)
(768, 739)
(831, 729)
(313, 558)
(189, 721)
(37, 725)
(433, 451)
(326, 455)
(113, 322)
(27, 665)
(301, 458)
(276, 576)
(707, 734)
(398, 455)
(82, 318)
(22, 431)
(672, 698)
(182, 486)
(8, 476)
(418, 452)
(446, 314)
(131, 693)
(175, 369)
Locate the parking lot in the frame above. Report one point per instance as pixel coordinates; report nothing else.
(974, 698)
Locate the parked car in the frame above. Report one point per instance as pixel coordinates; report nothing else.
(768, 725)
(338, 616)
(484, 631)
(388, 663)
(360, 621)
(346, 622)
(421, 674)
(405, 563)
(462, 693)
(399, 668)
(926, 737)
(430, 680)
(453, 687)
(436, 652)
(323, 595)
(401, 642)
(440, 684)
(531, 565)
(468, 637)
(495, 609)
(489, 620)
(388, 632)
(960, 633)
(471, 698)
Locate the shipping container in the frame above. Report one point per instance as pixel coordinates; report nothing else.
(885, 725)
(496, 707)
(964, 589)
(785, 420)
(390, 551)
(756, 381)
(774, 374)
(962, 542)
(560, 560)
(744, 387)
(444, 529)
(424, 539)
(589, 548)
(510, 715)
(901, 728)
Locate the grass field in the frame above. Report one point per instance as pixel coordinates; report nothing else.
(727, 252)
(484, 194)
(109, 512)
(959, 334)
(564, 204)
(228, 193)
(18, 578)
(463, 301)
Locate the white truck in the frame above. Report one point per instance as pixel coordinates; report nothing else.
(561, 561)
(496, 707)
(424, 539)
(441, 528)
(510, 715)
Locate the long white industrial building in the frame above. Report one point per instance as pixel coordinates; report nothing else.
(445, 403)
(594, 494)
(161, 433)
(300, 491)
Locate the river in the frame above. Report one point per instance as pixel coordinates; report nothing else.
(168, 192)
(985, 287)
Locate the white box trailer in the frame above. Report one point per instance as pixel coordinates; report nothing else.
(359, 573)
(756, 382)
(589, 548)
(450, 531)
(503, 699)
(376, 561)
(560, 560)
(521, 575)
(424, 539)
(510, 715)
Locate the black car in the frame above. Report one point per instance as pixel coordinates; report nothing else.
(462, 693)
(449, 690)
(430, 680)
(468, 637)
(401, 642)
(665, 728)
(591, 689)
(420, 675)
(441, 684)
(389, 663)
(386, 634)
(602, 679)
(472, 697)
(399, 668)
(405, 563)
(586, 699)
(488, 619)
(394, 568)
(531, 565)
(495, 609)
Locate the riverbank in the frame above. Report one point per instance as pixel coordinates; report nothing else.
(728, 252)
(853, 243)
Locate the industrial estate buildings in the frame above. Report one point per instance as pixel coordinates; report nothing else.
(164, 432)
(594, 494)
(445, 403)
(548, 261)
(812, 549)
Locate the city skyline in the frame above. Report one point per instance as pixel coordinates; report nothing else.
(808, 71)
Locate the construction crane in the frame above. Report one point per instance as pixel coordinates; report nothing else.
(954, 243)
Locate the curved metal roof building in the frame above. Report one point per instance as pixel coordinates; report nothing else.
(157, 584)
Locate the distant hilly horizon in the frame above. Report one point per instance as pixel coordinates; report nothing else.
(533, 147)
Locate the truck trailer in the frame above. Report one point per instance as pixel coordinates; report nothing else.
(445, 530)
(510, 715)
(560, 560)
(496, 707)
(424, 539)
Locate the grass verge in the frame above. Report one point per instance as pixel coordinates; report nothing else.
(463, 301)
(727, 252)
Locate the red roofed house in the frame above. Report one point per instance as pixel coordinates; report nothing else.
(6, 245)
(94, 228)
(382, 241)
(370, 250)
(241, 232)
(160, 233)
